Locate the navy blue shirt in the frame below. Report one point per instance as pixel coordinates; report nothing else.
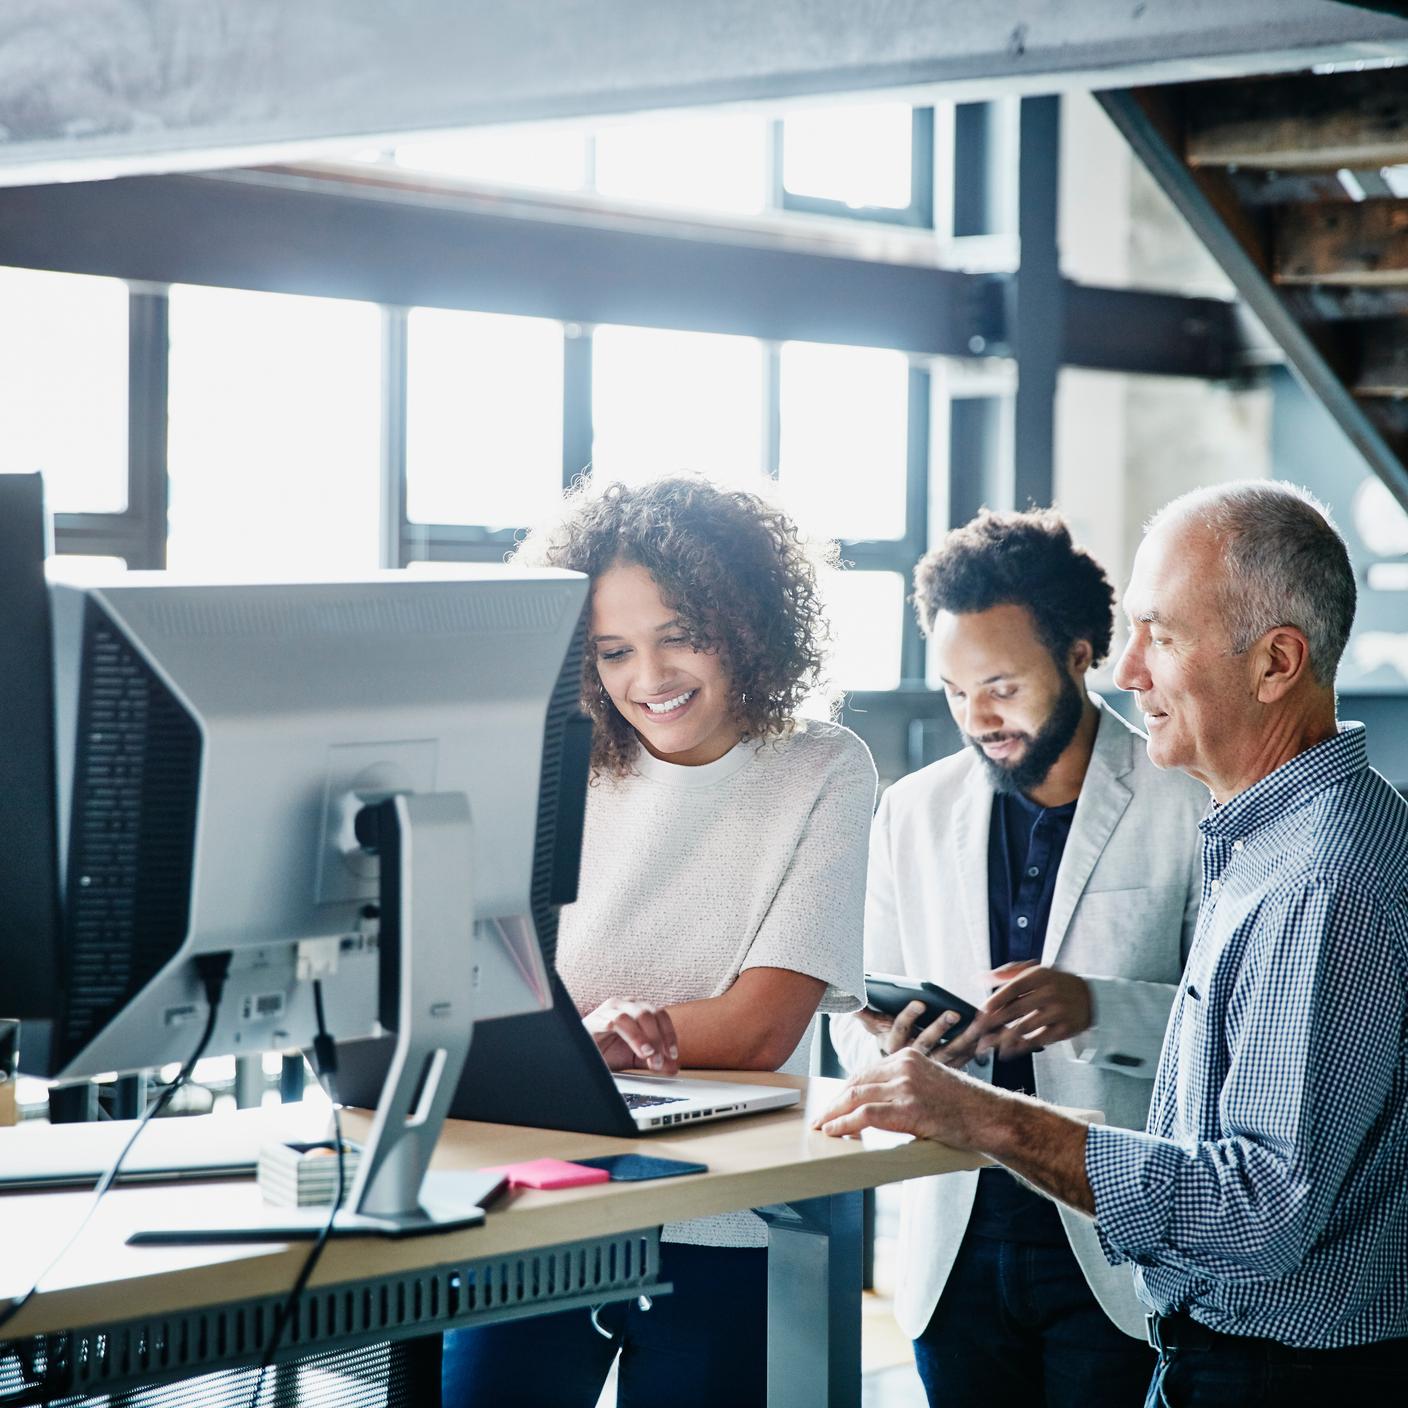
(1025, 845)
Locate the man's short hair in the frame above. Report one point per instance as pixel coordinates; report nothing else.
(1020, 559)
(1287, 565)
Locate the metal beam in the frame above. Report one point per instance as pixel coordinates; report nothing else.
(106, 87)
(1040, 326)
(979, 474)
(916, 515)
(259, 231)
(1163, 334)
(359, 241)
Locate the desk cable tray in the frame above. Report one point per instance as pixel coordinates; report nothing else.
(344, 1347)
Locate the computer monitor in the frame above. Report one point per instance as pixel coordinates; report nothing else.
(28, 868)
(375, 784)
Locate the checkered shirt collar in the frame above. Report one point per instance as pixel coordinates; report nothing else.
(1290, 786)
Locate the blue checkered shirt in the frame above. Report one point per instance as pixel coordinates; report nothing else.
(1269, 1196)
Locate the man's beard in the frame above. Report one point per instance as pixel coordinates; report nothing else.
(1050, 741)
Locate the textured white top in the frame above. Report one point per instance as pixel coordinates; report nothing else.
(692, 874)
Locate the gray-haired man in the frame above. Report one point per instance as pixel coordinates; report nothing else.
(1266, 1208)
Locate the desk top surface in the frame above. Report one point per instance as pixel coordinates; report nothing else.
(753, 1161)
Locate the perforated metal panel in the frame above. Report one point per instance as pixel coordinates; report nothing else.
(137, 764)
(334, 1332)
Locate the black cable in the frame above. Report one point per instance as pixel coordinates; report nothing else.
(212, 968)
(325, 1056)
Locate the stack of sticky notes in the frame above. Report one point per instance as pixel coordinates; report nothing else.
(297, 1175)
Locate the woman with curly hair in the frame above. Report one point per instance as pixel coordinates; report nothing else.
(721, 895)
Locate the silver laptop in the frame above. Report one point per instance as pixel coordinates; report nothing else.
(661, 1102)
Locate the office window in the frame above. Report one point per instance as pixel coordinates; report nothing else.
(866, 610)
(858, 155)
(844, 429)
(663, 402)
(63, 386)
(549, 159)
(483, 418)
(698, 161)
(82, 567)
(274, 442)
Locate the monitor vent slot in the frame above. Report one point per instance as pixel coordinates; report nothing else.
(136, 775)
(559, 811)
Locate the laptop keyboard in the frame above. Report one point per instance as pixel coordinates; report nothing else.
(636, 1101)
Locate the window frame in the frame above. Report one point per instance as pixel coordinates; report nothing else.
(918, 214)
(137, 535)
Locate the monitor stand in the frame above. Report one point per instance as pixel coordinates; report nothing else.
(427, 914)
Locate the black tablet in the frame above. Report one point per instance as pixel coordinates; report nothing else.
(891, 994)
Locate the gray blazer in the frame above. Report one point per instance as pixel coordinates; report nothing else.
(1122, 916)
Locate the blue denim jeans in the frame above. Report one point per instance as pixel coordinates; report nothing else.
(1018, 1325)
(704, 1344)
(1226, 1371)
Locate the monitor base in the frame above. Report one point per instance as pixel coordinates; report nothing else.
(346, 1224)
(458, 1203)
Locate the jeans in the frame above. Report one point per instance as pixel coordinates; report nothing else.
(1211, 1370)
(1018, 1325)
(705, 1343)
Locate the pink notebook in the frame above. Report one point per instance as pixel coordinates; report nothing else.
(549, 1173)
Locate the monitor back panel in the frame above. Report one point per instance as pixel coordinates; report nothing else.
(28, 831)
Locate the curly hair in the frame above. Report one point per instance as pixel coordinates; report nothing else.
(738, 572)
(1022, 559)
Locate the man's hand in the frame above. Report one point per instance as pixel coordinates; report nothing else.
(910, 1094)
(895, 1033)
(1033, 1007)
(635, 1034)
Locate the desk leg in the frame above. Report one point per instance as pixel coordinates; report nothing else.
(814, 1302)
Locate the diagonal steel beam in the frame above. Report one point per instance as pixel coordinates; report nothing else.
(1154, 141)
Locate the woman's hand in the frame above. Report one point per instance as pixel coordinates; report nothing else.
(632, 1034)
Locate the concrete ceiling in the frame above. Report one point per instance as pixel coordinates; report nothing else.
(106, 87)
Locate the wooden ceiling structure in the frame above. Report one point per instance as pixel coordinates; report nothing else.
(1298, 184)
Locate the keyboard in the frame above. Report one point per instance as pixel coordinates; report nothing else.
(635, 1101)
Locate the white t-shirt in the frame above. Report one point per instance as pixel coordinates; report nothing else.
(692, 874)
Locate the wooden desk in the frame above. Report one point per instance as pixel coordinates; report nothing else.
(148, 1306)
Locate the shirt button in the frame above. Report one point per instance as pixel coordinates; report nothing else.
(1215, 886)
(1236, 845)
(1021, 921)
(1033, 870)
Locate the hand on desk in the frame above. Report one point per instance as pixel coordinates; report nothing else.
(633, 1034)
(911, 1094)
